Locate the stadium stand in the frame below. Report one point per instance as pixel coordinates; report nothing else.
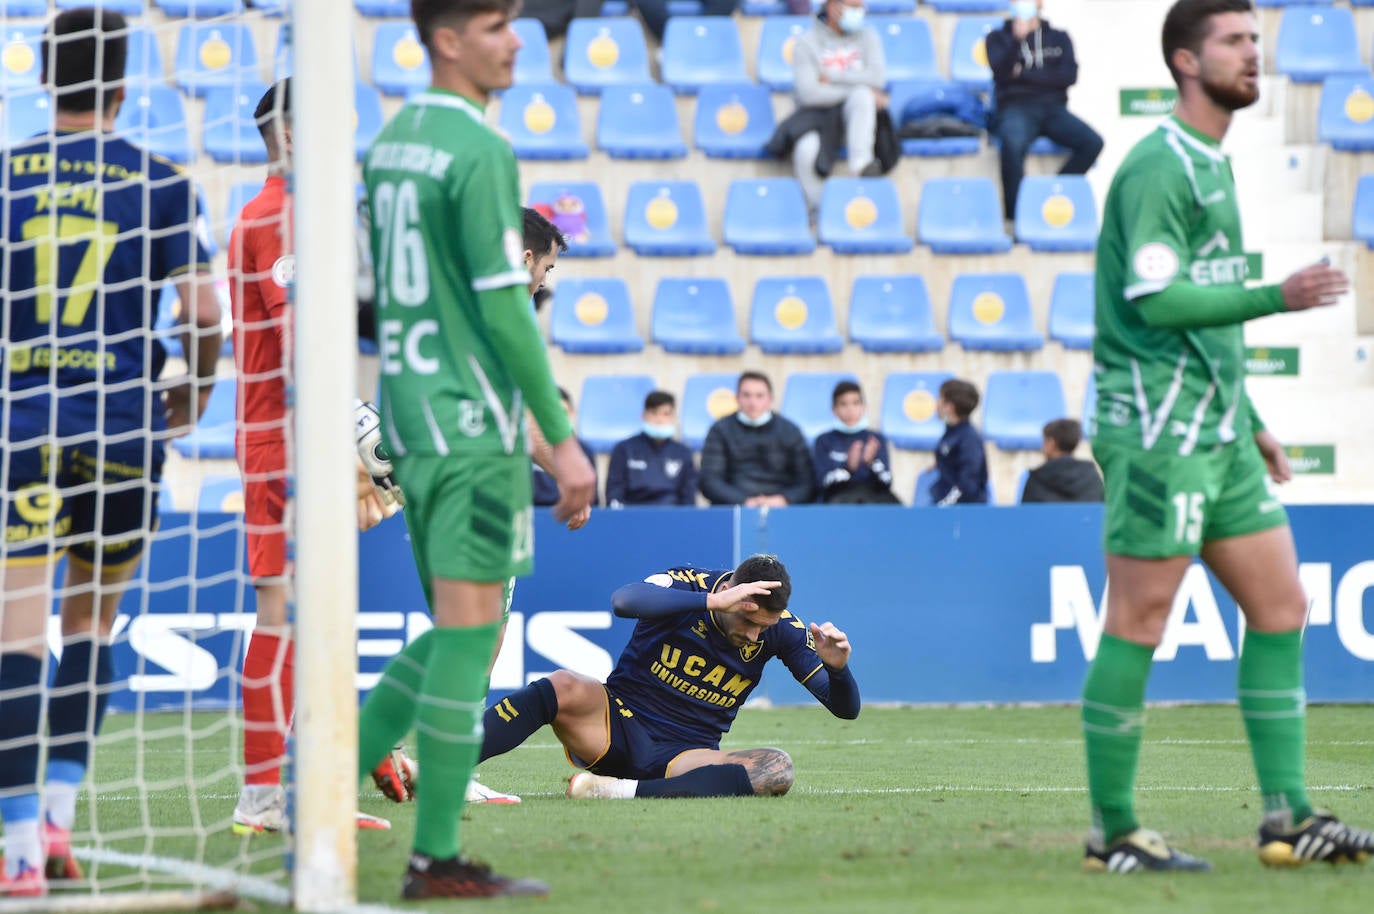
(239, 195)
(767, 216)
(639, 122)
(580, 213)
(230, 133)
(144, 61)
(594, 316)
(924, 480)
(181, 9)
(1364, 211)
(892, 314)
(221, 492)
(701, 51)
(21, 63)
(961, 216)
(706, 397)
(862, 216)
(992, 311)
(367, 113)
(1345, 120)
(154, 117)
(967, 6)
(666, 219)
(1071, 310)
(733, 121)
(909, 418)
(215, 55)
(1016, 406)
(25, 113)
(383, 8)
(968, 58)
(213, 437)
(400, 64)
(1056, 213)
(542, 122)
(695, 316)
(1316, 42)
(533, 62)
(605, 52)
(609, 409)
(908, 49)
(928, 93)
(777, 38)
(793, 315)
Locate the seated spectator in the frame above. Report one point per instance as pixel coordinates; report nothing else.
(852, 461)
(653, 468)
(555, 15)
(840, 76)
(959, 457)
(545, 486)
(655, 13)
(1032, 68)
(753, 457)
(1063, 477)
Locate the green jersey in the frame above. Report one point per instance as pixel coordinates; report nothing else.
(1170, 222)
(460, 353)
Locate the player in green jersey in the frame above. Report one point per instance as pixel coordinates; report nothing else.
(461, 358)
(1186, 462)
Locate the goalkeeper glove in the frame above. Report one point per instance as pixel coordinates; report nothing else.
(367, 425)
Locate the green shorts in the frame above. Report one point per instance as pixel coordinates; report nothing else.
(1161, 504)
(469, 518)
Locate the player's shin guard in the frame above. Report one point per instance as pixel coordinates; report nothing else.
(515, 718)
(389, 712)
(21, 708)
(1274, 706)
(449, 732)
(1113, 723)
(710, 781)
(268, 703)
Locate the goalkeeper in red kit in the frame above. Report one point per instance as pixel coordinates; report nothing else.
(262, 269)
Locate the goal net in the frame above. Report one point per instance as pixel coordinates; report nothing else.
(115, 259)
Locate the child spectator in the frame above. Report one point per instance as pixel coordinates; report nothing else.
(852, 461)
(1063, 477)
(959, 457)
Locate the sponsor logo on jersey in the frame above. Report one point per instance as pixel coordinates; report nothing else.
(672, 467)
(471, 418)
(748, 651)
(284, 271)
(1155, 262)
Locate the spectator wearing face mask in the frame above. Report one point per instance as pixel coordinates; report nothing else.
(754, 457)
(653, 467)
(852, 463)
(1032, 68)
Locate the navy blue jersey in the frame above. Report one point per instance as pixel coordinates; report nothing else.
(684, 675)
(92, 227)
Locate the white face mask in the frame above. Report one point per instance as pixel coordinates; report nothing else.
(754, 423)
(658, 432)
(1024, 10)
(851, 19)
(860, 426)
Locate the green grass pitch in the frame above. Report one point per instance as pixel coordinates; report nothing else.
(905, 809)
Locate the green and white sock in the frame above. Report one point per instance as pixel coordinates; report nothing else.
(1274, 706)
(389, 712)
(1113, 724)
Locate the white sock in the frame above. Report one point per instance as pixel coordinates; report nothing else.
(624, 788)
(59, 800)
(22, 845)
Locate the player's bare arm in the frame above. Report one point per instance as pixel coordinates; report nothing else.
(738, 599)
(202, 339)
(1275, 457)
(1314, 287)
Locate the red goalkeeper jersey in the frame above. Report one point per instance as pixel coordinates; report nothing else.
(261, 271)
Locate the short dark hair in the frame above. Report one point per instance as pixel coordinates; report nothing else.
(761, 567)
(541, 235)
(657, 398)
(961, 395)
(275, 103)
(753, 376)
(431, 14)
(845, 387)
(84, 52)
(1188, 23)
(1065, 433)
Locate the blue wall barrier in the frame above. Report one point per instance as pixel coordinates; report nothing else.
(958, 605)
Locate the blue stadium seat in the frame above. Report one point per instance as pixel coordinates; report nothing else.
(734, 121)
(767, 216)
(21, 58)
(702, 51)
(181, 9)
(1056, 213)
(682, 8)
(611, 407)
(213, 55)
(594, 316)
(1346, 117)
(925, 480)
(695, 315)
(19, 9)
(891, 7)
(154, 117)
(908, 50)
(1016, 406)
(220, 493)
(793, 315)
(383, 8)
(127, 7)
(25, 114)
(541, 122)
(806, 399)
(239, 196)
(763, 7)
(777, 37)
(904, 92)
(579, 212)
(1316, 42)
(967, 6)
(639, 122)
(533, 62)
(400, 64)
(144, 60)
(605, 52)
(968, 57)
(992, 311)
(892, 314)
(213, 436)
(615, 8)
(961, 216)
(862, 216)
(706, 398)
(230, 133)
(909, 418)
(666, 219)
(367, 112)
(1071, 310)
(1364, 211)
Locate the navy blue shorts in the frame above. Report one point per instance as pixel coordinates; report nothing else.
(638, 748)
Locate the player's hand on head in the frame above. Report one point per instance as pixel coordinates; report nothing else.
(1316, 286)
(832, 645)
(576, 481)
(739, 598)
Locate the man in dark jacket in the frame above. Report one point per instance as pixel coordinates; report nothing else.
(959, 457)
(1032, 68)
(753, 457)
(1063, 477)
(653, 468)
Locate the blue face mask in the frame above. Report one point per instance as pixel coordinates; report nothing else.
(1024, 10)
(658, 432)
(851, 19)
(755, 423)
(860, 426)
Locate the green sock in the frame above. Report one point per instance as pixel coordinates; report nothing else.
(449, 731)
(1274, 706)
(389, 712)
(1113, 721)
